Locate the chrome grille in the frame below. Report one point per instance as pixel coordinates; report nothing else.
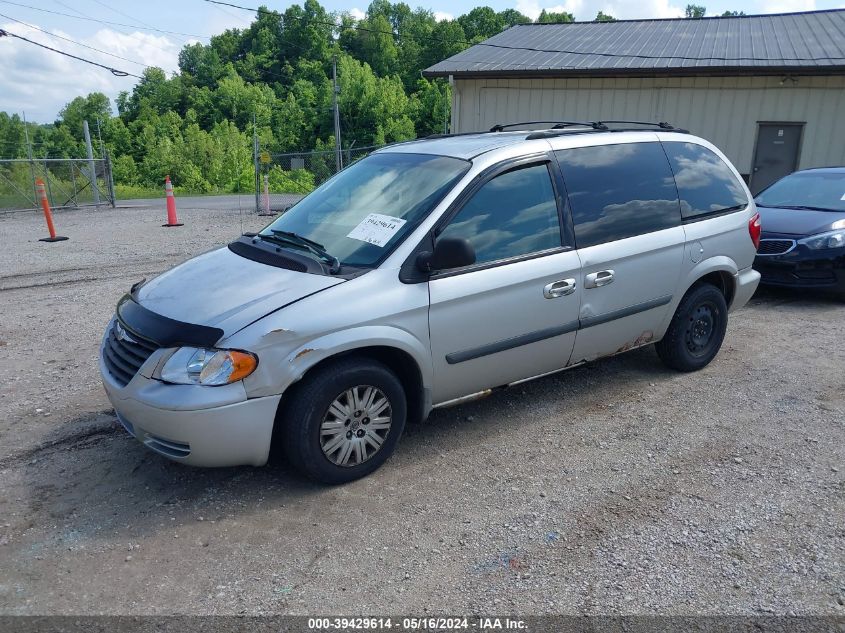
(124, 353)
(775, 247)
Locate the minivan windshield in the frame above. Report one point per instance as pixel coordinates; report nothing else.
(808, 190)
(358, 215)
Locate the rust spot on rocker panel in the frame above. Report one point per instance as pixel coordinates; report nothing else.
(643, 339)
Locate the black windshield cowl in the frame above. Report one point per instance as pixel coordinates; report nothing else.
(273, 254)
(288, 241)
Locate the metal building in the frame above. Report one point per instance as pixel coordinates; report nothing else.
(769, 90)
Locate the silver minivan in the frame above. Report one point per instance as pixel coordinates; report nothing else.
(426, 274)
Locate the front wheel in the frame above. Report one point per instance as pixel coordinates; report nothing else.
(697, 330)
(344, 421)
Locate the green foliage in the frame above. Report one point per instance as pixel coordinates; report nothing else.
(695, 11)
(294, 181)
(604, 17)
(551, 17)
(732, 14)
(272, 78)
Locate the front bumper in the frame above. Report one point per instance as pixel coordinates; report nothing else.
(803, 268)
(192, 424)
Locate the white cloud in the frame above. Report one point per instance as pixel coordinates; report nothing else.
(357, 13)
(442, 15)
(632, 10)
(623, 9)
(41, 82)
(787, 6)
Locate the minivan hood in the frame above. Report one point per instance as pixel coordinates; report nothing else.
(797, 221)
(225, 290)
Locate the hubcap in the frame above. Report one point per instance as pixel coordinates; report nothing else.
(700, 328)
(355, 425)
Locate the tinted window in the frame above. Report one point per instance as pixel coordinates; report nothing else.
(618, 191)
(705, 184)
(512, 214)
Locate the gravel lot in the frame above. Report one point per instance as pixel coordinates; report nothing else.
(619, 487)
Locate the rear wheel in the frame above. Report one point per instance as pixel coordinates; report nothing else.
(697, 329)
(344, 421)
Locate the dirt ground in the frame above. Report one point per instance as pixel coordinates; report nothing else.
(619, 487)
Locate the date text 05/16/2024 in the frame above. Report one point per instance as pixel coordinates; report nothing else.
(482, 624)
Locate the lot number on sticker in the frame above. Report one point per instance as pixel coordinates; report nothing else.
(376, 229)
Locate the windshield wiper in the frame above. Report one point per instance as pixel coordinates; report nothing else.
(799, 207)
(293, 239)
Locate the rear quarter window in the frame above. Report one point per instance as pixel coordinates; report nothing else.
(706, 185)
(619, 191)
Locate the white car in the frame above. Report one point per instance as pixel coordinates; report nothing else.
(426, 274)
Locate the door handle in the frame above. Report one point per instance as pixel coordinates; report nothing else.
(559, 288)
(599, 279)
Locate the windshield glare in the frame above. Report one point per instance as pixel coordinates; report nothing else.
(825, 190)
(363, 211)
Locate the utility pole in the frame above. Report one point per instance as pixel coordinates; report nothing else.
(93, 171)
(338, 157)
(255, 162)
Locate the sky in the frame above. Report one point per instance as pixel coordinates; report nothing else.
(39, 82)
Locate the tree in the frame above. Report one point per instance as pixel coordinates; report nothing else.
(512, 17)
(481, 23)
(604, 17)
(374, 44)
(95, 106)
(373, 110)
(695, 11)
(550, 17)
(732, 14)
(431, 106)
(197, 124)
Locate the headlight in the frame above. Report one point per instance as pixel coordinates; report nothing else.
(832, 239)
(197, 366)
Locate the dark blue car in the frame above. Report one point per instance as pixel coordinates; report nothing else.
(803, 239)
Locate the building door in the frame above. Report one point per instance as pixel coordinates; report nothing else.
(776, 154)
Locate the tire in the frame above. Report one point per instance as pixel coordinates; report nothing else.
(697, 329)
(331, 450)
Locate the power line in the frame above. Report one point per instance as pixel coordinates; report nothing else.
(147, 25)
(113, 71)
(67, 39)
(119, 12)
(531, 49)
(110, 23)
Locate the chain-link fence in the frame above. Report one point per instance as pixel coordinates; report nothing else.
(70, 183)
(282, 179)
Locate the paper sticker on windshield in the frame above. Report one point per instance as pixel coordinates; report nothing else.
(376, 229)
(843, 197)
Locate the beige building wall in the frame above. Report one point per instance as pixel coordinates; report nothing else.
(724, 110)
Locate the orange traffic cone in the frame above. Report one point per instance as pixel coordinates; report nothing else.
(172, 220)
(45, 205)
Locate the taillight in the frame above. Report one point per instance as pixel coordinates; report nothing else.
(754, 229)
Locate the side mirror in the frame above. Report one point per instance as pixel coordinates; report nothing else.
(449, 252)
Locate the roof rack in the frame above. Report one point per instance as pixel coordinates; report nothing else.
(556, 125)
(603, 126)
(559, 128)
(668, 127)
